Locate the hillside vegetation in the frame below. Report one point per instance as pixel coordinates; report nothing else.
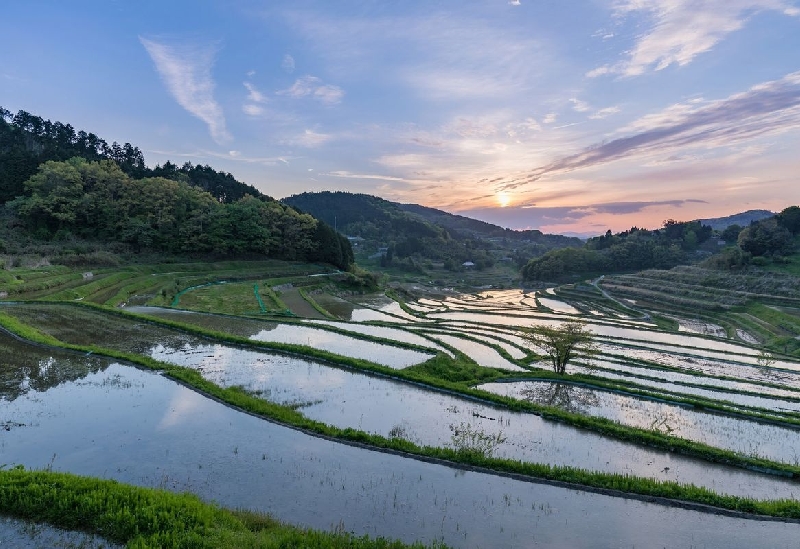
(407, 235)
(763, 242)
(60, 186)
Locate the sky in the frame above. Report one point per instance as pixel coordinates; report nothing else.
(571, 117)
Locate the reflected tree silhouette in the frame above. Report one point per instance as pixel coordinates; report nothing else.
(25, 367)
(565, 396)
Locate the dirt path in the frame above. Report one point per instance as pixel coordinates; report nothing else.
(596, 284)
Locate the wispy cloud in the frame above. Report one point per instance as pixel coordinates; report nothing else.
(309, 139)
(603, 113)
(255, 98)
(579, 106)
(350, 175)
(253, 94)
(288, 63)
(186, 71)
(444, 56)
(311, 86)
(684, 29)
(561, 218)
(768, 108)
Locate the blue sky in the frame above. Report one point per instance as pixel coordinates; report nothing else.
(571, 117)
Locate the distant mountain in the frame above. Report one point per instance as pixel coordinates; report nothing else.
(467, 226)
(742, 219)
(412, 231)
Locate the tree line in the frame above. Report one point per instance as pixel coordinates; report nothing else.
(673, 244)
(63, 183)
(630, 250)
(760, 242)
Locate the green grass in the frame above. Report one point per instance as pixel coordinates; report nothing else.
(148, 518)
(317, 307)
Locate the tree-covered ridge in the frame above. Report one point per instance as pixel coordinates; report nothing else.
(409, 232)
(27, 140)
(61, 183)
(468, 227)
(630, 250)
(97, 200)
(760, 242)
(674, 244)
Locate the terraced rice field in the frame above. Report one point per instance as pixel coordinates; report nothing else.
(452, 372)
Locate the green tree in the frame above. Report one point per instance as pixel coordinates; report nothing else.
(790, 219)
(562, 343)
(765, 237)
(731, 233)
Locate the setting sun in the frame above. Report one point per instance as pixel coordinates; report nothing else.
(503, 199)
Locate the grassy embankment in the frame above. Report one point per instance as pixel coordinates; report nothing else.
(149, 518)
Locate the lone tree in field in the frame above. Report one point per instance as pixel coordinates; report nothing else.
(562, 342)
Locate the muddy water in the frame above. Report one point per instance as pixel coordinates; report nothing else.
(349, 399)
(143, 429)
(745, 437)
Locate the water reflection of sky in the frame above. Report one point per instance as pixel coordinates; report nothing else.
(240, 461)
(739, 435)
(350, 399)
(387, 355)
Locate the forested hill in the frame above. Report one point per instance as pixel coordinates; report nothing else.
(61, 183)
(761, 242)
(27, 140)
(458, 224)
(357, 211)
(742, 219)
(412, 231)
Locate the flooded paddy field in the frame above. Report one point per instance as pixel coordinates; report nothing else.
(141, 428)
(385, 355)
(384, 406)
(773, 442)
(727, 389)
(81, 326)
(680, 389)
(159, 433)
(392, 408)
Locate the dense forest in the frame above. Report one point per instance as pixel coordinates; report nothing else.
(407, 233)
(674, 244)
(62, 184)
